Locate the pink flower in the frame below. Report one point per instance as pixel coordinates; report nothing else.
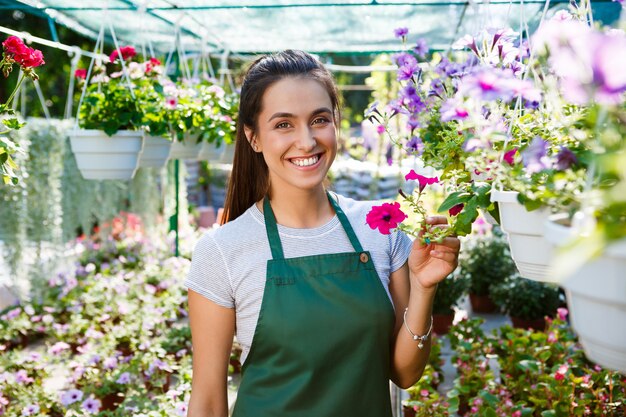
(13, 46)
(509, 156)
(424, 393)
(30, 58)
(380, 129)
(562, 313)
(127, 53)
(80, 73)
(423, 181)
(385, 217)
(516, 413)
(456, 209)
(171, 102)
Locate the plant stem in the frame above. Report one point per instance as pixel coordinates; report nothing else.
(17, 87)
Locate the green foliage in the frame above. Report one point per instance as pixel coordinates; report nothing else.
(526, 299)
(111, 107)
(486, 261)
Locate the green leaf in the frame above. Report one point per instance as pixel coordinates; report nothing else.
(545, 355)
(453, 199)
(490, 412)
(548, 413)
(13, 123)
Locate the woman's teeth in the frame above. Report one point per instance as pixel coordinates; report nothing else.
(306, 161)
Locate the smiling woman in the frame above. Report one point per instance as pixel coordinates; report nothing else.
(296, 272)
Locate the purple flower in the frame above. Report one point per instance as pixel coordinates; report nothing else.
(421, 48)
(437, 88)
(71, 396)
(91, 405)
(389, 154)
(21, 376)
(535, 156)
(488, 84)
(30, 410)
(562, 15)
(412, 124)
(124, 378)
(411, 99)
(58, 348)
(11, 314)
(110, 363)
(407, 71)
(565, 159)
(466, 41)
(373, 108)
(400, 32)
(472, 144)
(415, 146)
(453, 109)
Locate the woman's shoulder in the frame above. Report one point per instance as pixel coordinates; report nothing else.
(243, 228)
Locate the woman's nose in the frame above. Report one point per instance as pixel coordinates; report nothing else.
(305, 140)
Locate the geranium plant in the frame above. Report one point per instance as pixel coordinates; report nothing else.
(14, 52)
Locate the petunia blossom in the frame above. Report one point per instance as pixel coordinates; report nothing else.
(71, 396)
(400, 32)
(80, 73)
(127, 53)
(91, 405)
(385, 217)
(535, 156)
(423, 181)
(565, 159)
(509, 156)
(421, 48)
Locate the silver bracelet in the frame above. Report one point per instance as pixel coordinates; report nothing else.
(416, 337)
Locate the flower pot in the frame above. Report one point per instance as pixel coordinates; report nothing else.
(102, 157)
(530, 251)
(156, 150)
(442, 323)
(482, 303)
(595, 296)
(535, 324)
(189, 148)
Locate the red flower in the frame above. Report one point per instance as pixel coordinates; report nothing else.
(456, 209)
(80, 73)
(423, 181)
(30, 58)
(155, 61)
(13, 46)
(127, 53)
(385, 217)
(509, 157)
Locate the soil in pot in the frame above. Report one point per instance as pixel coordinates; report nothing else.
(111, 401)
(482, 303)
(535, 324)
(442, 323)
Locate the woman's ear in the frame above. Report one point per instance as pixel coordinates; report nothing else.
(251, 139)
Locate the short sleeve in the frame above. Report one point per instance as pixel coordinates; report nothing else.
(209, 275)
(400, 248)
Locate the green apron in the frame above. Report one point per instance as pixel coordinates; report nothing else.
(321, 347)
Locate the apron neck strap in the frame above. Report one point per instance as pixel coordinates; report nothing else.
(272, 229)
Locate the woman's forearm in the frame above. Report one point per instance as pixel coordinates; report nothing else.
(200, 406)
(408, 360)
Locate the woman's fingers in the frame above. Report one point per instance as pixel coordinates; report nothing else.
(436, 220)
(450, 257)
(452, 243)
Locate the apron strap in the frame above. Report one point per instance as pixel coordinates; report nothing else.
(346, 224)
(272, 230)
(274, 238)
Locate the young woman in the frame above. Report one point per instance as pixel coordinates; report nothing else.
(327, 311)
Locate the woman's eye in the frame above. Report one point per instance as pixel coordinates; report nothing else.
(282, 125)
(321, 120)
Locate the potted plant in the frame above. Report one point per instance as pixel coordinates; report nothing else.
(449, 293)
(527, 302)
(485, 262)
(218, 132)
(121, 103)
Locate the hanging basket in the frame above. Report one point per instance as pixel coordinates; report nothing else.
(156, 150)
(530, 251)
(596, 297)
(103, 157)
(217, 154)
(189, 148)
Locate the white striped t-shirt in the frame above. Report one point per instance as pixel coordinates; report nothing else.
(229, 263)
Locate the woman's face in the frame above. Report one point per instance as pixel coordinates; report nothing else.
(296, 133)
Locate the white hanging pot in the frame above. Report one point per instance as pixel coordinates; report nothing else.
(530, 251)
(596, 296)
(211, 152)
(189, 148)
(103, 157)
(156, 150)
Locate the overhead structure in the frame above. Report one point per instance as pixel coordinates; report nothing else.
(318, 26)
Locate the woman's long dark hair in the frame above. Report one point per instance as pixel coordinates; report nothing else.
(249, 179)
